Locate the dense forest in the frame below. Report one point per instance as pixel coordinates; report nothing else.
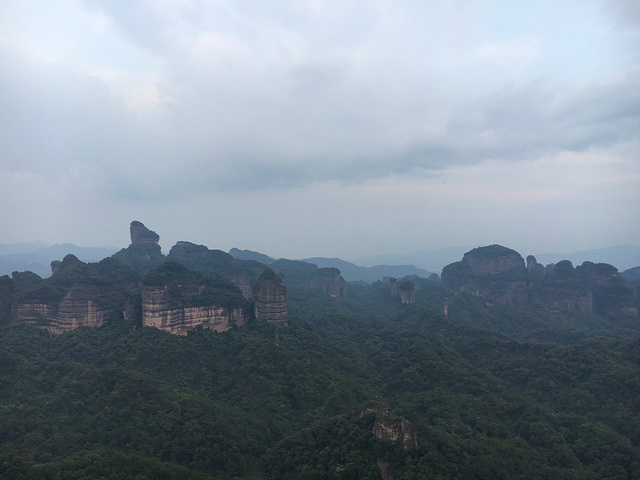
(360, 386)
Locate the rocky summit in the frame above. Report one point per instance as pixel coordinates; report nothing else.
(498, 275)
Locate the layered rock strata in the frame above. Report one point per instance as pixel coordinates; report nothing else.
(81, 307)
(159, 311)
(270, 299)
(495, 273)
(141, 234)
(329, 281)
(407, 292)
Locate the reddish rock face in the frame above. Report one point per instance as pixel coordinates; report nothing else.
(329, 281)
(159, 311)
(407, 292)
(493, 260)
(81, 307)
(271, 301)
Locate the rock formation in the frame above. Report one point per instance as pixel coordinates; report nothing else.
(558, 288)
(270, 299)
(407, 292)
(76, 295)
(83, 306)
(612, 297)
(495, 273)
(242, 273)
(329, 281)
(141, 234)
(395, 429)
(159, 311)
(177, 300)
(144, 253)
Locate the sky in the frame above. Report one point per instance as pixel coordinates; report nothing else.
(322, 128)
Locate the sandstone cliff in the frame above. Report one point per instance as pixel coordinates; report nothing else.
(177, 300)
(329, 281)
(495, 273)
(270, 299)
(83, 306)
(141, 234)
(407, 292)
(558, 287)
(76, 295)
(159, 311)
(612, 297)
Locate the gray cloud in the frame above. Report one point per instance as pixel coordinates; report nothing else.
(247, 96)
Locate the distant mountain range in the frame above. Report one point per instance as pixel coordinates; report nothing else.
(349, 271)
(37, 257)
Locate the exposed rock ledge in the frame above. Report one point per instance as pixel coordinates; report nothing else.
(158, 311)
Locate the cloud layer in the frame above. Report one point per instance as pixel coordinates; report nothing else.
(123, 110)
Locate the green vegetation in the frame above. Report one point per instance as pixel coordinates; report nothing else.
(501, 392)
(141, 257)
(192, 289)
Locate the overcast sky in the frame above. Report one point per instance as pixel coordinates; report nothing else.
(322, 128)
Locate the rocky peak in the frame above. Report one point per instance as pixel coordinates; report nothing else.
(270, 299)
(329, 281)
(407, 292)
(493, 259)
(612, 296)
(177, 300)
(141, 234)
(495, 273)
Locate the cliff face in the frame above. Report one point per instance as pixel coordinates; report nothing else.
(396, 429)
(141, 234)
(271, 300)
(558, 287)
(497, 275)
(177, 300)
(494, 273)
(82, 307)
(612, 297)
(407, 292)
(329, 281)
(159, 310)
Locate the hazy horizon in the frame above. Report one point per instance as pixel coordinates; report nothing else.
(322, 128)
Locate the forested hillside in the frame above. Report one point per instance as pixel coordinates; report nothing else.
(484, 392)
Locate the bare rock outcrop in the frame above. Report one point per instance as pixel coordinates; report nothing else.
(141, 234)
(329, 281)
(407, 292)
(159, 311)
(83, 306)
(558, 288)
(76, 295)
(270, 299)
(495, 273)
(396, 429)
(178, 300)
(612, 296)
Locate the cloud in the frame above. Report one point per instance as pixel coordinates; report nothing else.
(167, 102)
